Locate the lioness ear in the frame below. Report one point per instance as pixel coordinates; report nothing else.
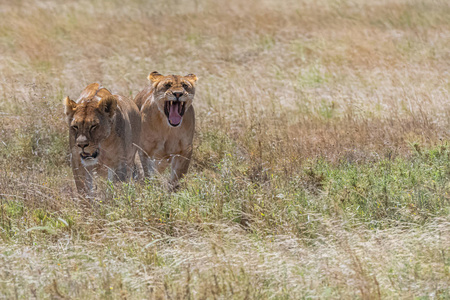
(108, 105)
(155, 77)
(69, 106)
(192, 78)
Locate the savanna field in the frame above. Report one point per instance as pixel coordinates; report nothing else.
(321, 163)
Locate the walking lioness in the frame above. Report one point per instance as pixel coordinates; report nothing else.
(168, 123)
(103, 135)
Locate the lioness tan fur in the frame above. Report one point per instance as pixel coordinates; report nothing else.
(168, 123)
(103, 135)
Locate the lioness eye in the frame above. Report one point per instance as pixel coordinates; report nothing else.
(185, 86)
(168, 85)
(75, 127)
(93, 127)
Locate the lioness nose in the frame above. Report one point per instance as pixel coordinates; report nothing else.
(82, 142)
(177, 94)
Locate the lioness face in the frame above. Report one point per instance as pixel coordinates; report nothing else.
(90, 123)
(173, 95)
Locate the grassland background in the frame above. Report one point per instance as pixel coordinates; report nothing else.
(321, 160)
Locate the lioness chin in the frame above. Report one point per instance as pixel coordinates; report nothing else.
(168, 123)
(104, 131)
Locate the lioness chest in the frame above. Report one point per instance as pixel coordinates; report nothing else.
(166, 145)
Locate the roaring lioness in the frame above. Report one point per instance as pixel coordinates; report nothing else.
(168, 123)
(104, 131)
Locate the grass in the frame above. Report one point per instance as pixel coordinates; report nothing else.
(321, 161)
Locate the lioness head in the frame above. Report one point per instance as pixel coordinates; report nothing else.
(90, 121)
(173, 95)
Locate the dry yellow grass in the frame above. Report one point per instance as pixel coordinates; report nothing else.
(321, 165)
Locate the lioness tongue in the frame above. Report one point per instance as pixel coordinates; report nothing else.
(174, 115)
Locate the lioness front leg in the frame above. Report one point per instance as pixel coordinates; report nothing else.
(83, 180)
(180, 165)
(151, 166)
(146, 164)
(122, 173)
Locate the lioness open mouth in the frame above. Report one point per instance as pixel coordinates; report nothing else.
(174, 111)
(87, 156)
